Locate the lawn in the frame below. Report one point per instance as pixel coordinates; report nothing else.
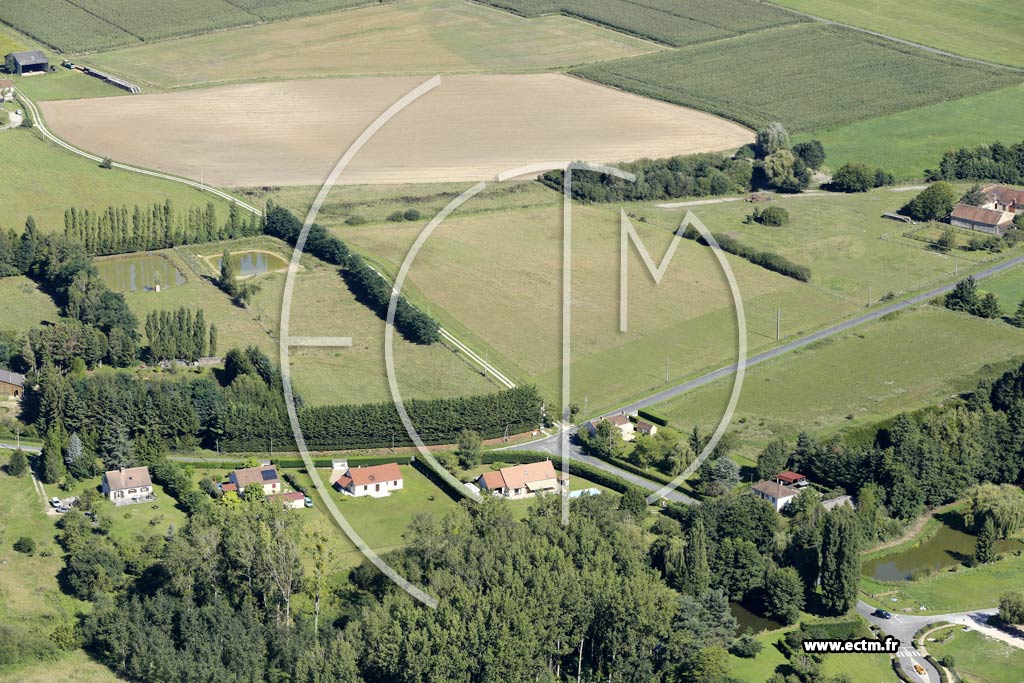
(909, 142)
(71, 180)
(855, 379)
(423, 37)
(764, 76)
(507, 306)
(31, 603)
(381, 522)
(64, 84)
(23, 305)
(837, 236)
(978, 658)
(1008, 286)
(74, 667)
(961, 26)
(957, 590)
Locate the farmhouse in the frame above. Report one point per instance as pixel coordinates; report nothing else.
(265, 476)
(128, 486)
(981, 219)
(1005, 198)
(11, 384)
(776, 493)
(376, 481)
(28, 62)
(523, 481)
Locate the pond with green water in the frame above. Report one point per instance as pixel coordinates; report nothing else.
(250, 263)
(747, 619)
(139, 273)
(949, 546)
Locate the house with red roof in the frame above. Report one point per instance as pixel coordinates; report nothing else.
(376, 481)
(523, 481)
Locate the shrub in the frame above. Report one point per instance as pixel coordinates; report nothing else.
(411, 215)
(746, 646)
(772, 216)
(106, 163)
(25, 545)
(883, 178)
(1011, 608)
(355, 219)
(18, 464)
(812, 153)
(853, 177)
(397, 216)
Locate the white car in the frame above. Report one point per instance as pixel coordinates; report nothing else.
(55, 502)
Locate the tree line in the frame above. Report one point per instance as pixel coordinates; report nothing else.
(996, 161)
(179, 335)
(116, 230)
(766, 259)
(368, 286)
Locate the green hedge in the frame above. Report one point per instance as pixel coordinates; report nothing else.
(765, 259)
(653, 417)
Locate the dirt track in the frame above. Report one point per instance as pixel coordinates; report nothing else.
(469, 128)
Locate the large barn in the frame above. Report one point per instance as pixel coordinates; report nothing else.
(27, 62)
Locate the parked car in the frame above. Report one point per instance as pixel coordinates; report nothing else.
(62, 509)
(307, 501)
(55, 502)
(882, 614)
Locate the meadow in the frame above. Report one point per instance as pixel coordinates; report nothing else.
(960, 27)
(1008, 286)
(506, 305)
(978, 658)
(23, 305)
(64, 84)
(471, 127)
(666, 21)
(87, 25)
(837, 235)
(322, 306)
(909, 142)
(762, 77)
(857, 378)
(423, 37)
(71, 180)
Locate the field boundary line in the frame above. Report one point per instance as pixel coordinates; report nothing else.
(894, 39)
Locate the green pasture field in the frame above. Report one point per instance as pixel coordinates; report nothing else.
(494, 280)
(857, 378)
(978, 658)
(767, 76)
(64, 84)
(422, 37)
(322, 305)
(838, 236)
(89, 25)
(42, 180)
(74, 667)
(961, 27)
(907, 143)
(23, 305)
(1008, 286)
(30, 600)
(666, 21)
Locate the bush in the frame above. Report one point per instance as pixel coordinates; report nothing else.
(883, 178)
(811, 153)
(18, 463)
(397, 216)
(772, 216)
(107, 163)
(1011, 608)
(746, 646)
(411, 215)
(25, 545)
(853, 177)
(355, 219)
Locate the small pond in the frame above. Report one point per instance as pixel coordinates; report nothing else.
(747, 619)
(948, 547)
(139, 273)
(250, 263)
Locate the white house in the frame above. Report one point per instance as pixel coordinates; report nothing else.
(775, 492)
(130, 485)
(376, 481)
(523, 481)
(264, 475)
(620, 421)
(291, 499)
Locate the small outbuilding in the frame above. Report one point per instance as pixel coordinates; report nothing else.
(11, 384)
(27, 62)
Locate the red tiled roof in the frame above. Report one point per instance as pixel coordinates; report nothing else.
(789, 477)
(618, 420)
(228, 487)
(343, 481)
(518, 476)
(375, 474)
(289, 495)
(493, 480)
(976, 214)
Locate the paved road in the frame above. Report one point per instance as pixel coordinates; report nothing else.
(27, 449)
(904, 626)
(575, 452)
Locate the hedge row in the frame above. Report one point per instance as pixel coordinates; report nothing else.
(372, 290)
(438, 421)
(652, 417)
(765, 259)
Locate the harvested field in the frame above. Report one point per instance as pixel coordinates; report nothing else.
(422, 37)
(469, 128)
